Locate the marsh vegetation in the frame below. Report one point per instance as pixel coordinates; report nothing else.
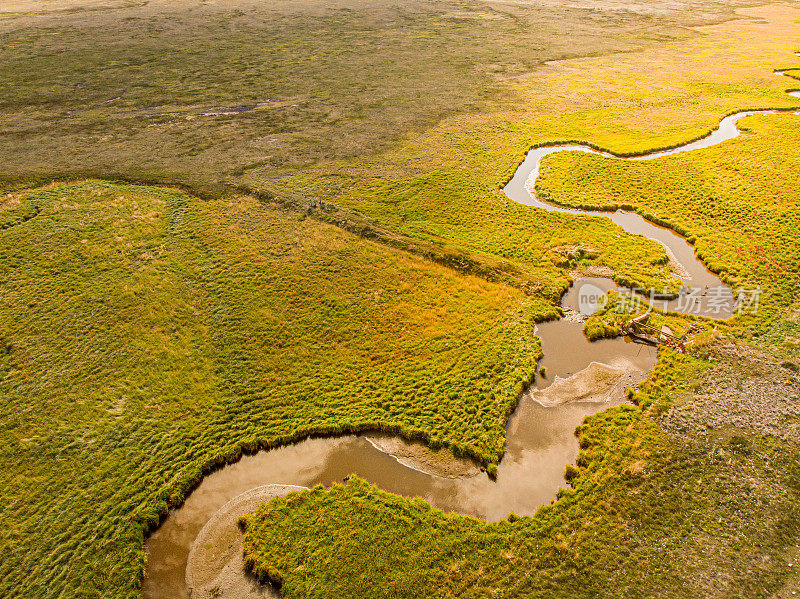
(148, 335)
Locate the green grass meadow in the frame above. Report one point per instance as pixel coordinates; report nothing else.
(644, 515)
(227, 226)
(148, 336)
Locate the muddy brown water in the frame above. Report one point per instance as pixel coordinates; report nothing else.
(540, 440)
(711, 297)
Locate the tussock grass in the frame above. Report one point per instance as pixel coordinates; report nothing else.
(413, 116)
(444, 186)
(619, 308)
(736, 201)
(643, 512)
(148, 336)
(195, 92)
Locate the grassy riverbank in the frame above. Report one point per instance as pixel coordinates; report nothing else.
(444, 185)
(645, 515)
(694, 494)
(147, 335)
(737, 202)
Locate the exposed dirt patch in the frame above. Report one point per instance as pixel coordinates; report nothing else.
(595, 383)
(571, 315)
(10, 201)
(593, 270)
(746, 390)
(791, 588)
(440, 463)
(37, 7)
(676, 267)
(215, 568)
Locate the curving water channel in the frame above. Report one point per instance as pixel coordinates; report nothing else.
(540, 444)
(704, 293)
(540, 440)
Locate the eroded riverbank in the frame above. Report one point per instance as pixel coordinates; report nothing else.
(540, 444)
(540, 439)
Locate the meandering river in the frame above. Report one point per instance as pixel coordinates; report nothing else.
(540, 440)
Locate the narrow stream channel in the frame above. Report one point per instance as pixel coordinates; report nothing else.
(540, 443)
(540, 440)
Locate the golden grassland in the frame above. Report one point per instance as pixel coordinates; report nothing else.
(647, 513)
(198, 92)
(619, 308)
(644, 515)
(444, 186)
(147, 336)
(737, 202)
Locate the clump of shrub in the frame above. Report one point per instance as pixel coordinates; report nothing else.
(596, 328)
(571, 473)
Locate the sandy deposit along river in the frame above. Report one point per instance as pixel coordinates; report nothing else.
(199, 546)
(541, 442)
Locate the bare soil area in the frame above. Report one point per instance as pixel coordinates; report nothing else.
(597, 383)
(747, 391)
(215, 568)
